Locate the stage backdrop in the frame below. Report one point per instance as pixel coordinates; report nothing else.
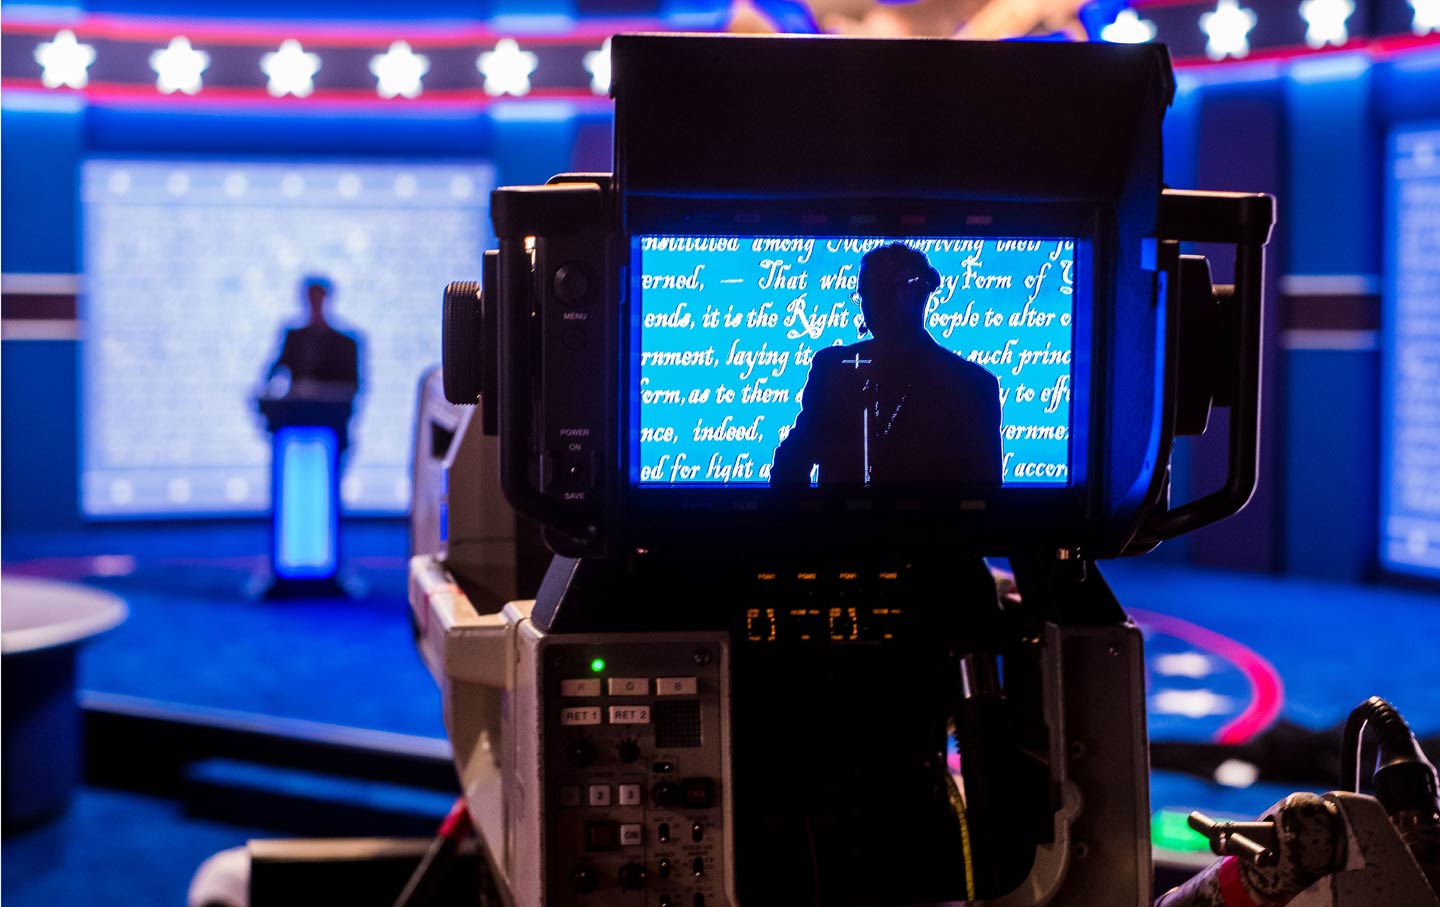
(192, 273)
(1410, 489)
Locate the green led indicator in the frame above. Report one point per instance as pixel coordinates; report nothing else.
(1170, 830)
(597, 665)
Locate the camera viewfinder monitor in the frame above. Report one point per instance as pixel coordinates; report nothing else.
(852, 362)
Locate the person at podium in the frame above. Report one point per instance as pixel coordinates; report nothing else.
(320, 362)
(899, 407)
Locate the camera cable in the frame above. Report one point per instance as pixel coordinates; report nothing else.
(453, 831)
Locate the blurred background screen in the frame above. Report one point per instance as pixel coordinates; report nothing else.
(1411, 487)
(192, 273)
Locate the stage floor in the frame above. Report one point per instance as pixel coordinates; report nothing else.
(1228, 655)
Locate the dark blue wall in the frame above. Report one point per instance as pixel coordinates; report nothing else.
(39, 381)
(1331, 203)
(1311, 132)
(40, 208)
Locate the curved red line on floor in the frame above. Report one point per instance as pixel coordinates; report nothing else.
(1267, 691)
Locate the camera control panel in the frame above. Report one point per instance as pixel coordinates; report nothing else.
(636, 804)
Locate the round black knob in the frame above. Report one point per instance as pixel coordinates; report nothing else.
(632, 877)
(581, 753)
(665, 793)
(461, 352)
(584, 879)
(629, 750)
(571, 283)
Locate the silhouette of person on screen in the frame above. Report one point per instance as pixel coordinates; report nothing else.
(322, 363)
(899, 408)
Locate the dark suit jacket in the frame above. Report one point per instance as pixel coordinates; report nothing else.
(320, 354)
(946, 431)
(325, 355)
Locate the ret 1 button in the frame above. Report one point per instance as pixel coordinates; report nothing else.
(571, 284)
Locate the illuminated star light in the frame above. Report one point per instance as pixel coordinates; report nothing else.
(178, 67)
(1128, 28)
(65, 61)
(507, 68)
(597, 63)
(1228, 29)
(291, 70)
(1427, 16)
(1325, 21)
(399, 71)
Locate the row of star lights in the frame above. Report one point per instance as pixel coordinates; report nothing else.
(291, 70)
(507, 69)
(1227, 27)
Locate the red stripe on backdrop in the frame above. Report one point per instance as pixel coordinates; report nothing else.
(141, 94)
(327, 34)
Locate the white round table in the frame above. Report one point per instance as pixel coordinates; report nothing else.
(42, 624)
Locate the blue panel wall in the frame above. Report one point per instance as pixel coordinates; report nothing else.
(39, 416)
(39, 218)
(39, 225)
(1331, 209)
(1332, 463)
(1240, 141)
(1331, 203)
(331, 132)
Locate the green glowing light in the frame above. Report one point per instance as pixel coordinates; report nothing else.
(1169, 830)
(597, 665)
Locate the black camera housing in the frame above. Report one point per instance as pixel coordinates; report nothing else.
(721, 135)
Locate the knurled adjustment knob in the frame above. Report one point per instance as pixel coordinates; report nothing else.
(461, 352)
(571, 283)
(629, 750)
(665, 793)
(581, 753)
(632, 877)
(584, 879)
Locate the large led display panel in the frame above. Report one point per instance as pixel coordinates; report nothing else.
(193, 271)
(1410, 506)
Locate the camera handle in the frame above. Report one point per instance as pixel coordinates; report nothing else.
(519, 213)
(1245, 220)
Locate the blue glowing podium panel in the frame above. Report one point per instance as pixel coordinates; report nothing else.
(306, 531)
(1410, 505)
(192, 274)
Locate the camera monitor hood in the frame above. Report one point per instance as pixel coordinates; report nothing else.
(819, 263)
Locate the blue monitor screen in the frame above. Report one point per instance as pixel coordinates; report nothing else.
(194, 272)
(814, 360)
(1410, 483)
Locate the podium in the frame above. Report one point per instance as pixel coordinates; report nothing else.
(307, 435)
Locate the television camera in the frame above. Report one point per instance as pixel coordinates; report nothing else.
(768, 663)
